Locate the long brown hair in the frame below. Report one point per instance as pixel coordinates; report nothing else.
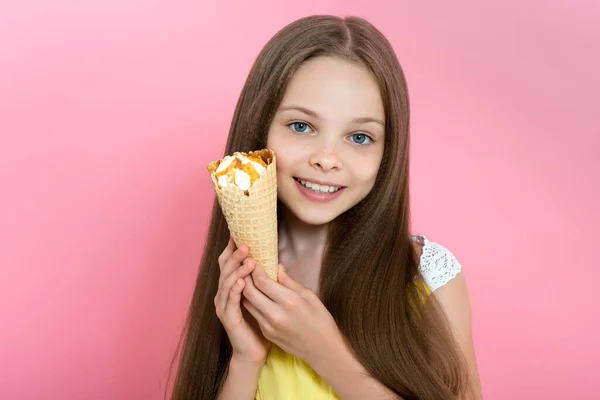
(369, 266)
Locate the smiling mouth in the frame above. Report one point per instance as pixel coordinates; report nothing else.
(318, 188)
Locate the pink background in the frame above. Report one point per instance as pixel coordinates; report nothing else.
(110, 110)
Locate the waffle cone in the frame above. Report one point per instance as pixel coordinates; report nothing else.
(252, 214)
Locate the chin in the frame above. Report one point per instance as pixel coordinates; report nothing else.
(314, 218)
(311, 215)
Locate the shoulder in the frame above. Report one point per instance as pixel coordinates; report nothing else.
(443, 273)
(437, 265)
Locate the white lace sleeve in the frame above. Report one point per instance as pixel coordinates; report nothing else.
(438, 265)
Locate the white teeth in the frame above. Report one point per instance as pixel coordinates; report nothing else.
(319, 188)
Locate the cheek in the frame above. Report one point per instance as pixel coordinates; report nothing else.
(367, 174)
(288, 151)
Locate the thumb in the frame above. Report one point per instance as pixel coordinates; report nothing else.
(287, 281)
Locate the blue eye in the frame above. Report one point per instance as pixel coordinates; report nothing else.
(361, 138)
(300, 127)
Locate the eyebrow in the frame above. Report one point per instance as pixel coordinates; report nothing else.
(314, 114)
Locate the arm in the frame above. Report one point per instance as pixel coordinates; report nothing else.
(347, 376)
(241, 381)
(294, 318)
(454, 300)
(350, 379)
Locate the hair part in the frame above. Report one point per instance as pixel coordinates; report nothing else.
(370, 267)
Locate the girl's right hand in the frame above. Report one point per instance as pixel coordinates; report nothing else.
(248, 343)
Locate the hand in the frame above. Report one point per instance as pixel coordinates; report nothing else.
(290, 315)
(248, 343)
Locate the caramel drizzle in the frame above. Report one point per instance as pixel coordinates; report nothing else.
(247, 168)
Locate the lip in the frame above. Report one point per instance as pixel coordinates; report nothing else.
(320, 197)
(321, 183)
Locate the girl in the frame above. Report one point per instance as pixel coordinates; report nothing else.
(362, 308)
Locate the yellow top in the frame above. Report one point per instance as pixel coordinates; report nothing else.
(287, 377)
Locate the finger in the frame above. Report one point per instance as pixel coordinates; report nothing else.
(234, 262)
(225, 289)
(290, 283)
(258, 316)
(233, 302)
(256, 297)
(222, 296)
(227, 252)
(268, 286)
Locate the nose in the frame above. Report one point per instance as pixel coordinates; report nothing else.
(325, 159)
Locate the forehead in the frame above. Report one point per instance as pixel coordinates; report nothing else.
(335, 88)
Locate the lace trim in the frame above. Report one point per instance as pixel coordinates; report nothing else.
(437, 264)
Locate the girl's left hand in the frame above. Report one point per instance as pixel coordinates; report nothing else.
(291, 315)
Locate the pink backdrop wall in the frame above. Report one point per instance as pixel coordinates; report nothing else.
(110, 110)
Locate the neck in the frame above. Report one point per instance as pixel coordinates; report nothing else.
(299, 240)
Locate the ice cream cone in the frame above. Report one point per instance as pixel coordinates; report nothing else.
(252, 214)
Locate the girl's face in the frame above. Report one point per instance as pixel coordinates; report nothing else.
(328, 135)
